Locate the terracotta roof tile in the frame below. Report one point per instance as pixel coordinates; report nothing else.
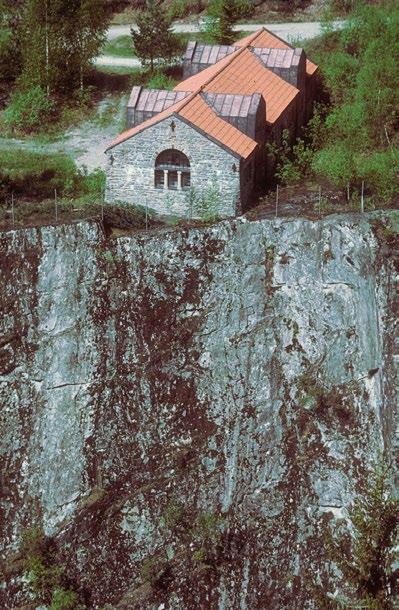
(197, 112)
(241, 73)
(129, 133)
(264, 38)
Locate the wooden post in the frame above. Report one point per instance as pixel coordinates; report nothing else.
(347, 192)
(55, 204)
(12, 209)
(362, 198)
(102, 203)
(276, 201)
(146, 216)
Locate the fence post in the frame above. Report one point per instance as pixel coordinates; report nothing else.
(146, 216)
(102, 203)
(347, 192)
(277, 201)
(319, 200)
(55, 204)
(362, 198)
(12, 209)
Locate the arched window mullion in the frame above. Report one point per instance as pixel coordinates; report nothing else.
(172, 170)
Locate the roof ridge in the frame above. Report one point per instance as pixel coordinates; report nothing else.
(221, 68)
(229, 59)
(258, 59)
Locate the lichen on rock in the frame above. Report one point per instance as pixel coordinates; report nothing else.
(185, 412)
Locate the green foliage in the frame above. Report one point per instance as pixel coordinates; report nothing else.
(207, 533)
(37, 175)
(178, 9)
(64, 599)
(293, 162)
(221, 16)
(205, 204)
(155, 571)
(10, 47)
(153, 40)
(173, 515)
(359, 65)
(58, 42)
(336, 163)
(44, 577)
(366, 556)
(159, 80)
(28, 110)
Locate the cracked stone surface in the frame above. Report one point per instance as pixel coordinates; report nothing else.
(152, 380)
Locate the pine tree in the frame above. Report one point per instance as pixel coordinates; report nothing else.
(154, 41)
(222, 14)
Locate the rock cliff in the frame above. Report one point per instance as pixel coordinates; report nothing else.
(185, 411)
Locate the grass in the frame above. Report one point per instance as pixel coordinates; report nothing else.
(119, 47)
(122, 46)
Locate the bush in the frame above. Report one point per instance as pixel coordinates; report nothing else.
(160, 81)
(36, 175)
(45, 578)
(28, 110)
(336, 163)
(380, 172)
(367, 555)
(64, 599)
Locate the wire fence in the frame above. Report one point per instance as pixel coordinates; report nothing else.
(283, 202)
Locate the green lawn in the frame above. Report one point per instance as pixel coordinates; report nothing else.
(119, 47)
(122, 46)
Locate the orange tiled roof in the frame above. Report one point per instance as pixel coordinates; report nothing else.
(242, 73)
(129, 133)
(196, 111)
(265, 39)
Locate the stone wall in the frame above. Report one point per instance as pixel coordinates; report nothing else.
(130, 175)
(158, 388)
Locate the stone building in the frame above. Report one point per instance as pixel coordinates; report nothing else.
(202, 145)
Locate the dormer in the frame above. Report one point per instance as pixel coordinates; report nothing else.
(200, 56)
(289, 64)
(145, 103)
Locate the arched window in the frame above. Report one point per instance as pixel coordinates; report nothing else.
(172, 170)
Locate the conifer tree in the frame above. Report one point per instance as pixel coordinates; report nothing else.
(154, 41)
(222, 14)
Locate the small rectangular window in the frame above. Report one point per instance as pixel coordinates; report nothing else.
(172, 180)
(159, 179)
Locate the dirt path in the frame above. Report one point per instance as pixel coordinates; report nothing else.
(84, 143)
(290, 32)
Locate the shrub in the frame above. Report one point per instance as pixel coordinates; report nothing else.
(380, 173)
(160, 81)
(32, 174)
(366, 557)
(336, 163)
(44, 576)
(64, 599)
(28, 110)
(205, 204)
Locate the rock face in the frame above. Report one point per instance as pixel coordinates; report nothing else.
(186, 411)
